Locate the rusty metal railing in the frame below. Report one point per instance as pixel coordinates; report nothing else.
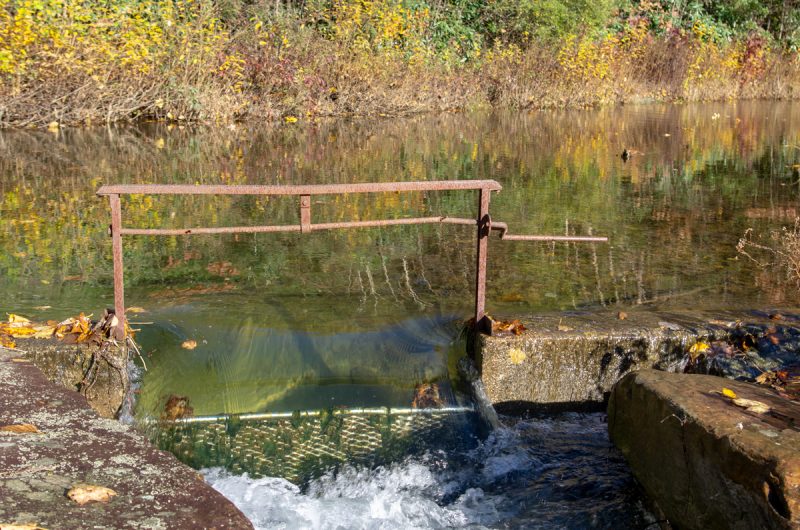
(483, 221)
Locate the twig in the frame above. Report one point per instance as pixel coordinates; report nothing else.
(12, 349)
(136, 349)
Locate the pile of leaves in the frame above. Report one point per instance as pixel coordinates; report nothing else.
(73, 330)
(786, 382)
(761, 356)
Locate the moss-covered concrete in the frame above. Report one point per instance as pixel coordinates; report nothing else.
(102, 379)
(76, 446)
(571, 359)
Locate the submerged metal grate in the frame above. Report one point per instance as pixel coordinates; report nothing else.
(301, 445)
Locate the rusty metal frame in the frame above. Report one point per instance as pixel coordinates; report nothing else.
(483, 221)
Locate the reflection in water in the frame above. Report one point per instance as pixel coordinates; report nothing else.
(698, 177)
(362, 316)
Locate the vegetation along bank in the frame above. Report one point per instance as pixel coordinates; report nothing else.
(83, 61)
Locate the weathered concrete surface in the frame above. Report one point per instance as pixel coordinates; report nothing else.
(67, 364)
(706, 462)
(76, 446)
(567, 359)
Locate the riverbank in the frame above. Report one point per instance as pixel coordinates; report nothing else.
(202, 62)
(51, 443)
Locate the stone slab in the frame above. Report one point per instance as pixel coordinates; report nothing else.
(77, 446)
(707, 463)
(570, 359)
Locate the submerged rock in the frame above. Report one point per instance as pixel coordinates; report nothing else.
(705, 461)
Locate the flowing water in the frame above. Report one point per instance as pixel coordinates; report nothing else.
(361, 318)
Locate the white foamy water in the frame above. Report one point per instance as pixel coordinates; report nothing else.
(545, 473)
(408, 494)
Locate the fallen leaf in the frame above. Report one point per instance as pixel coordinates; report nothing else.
(20, 526)
(514, 326)
(20, 428)
(43, 307)
(727, 392)
(14, 319)
(177, 407)
(697, 349)
(189, 344)
(19, 360)
(752, 406)
(622, 315)
(84, 493)
(135, 310)
(516, 355)
(7, 341)
(776, 316)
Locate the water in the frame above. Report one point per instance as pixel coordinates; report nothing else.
(555, 472)
(363, 317)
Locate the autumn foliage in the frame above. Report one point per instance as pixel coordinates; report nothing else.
(66, 61)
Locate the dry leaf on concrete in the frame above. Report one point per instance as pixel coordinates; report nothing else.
(20, 526)
(20, 428)
(752, 405)
(85, 493)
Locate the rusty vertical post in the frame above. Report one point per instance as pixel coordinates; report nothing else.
(305, 213)
(116, 246)
(484, 227)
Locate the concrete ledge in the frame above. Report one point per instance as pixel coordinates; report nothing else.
(570, 360)
(75, 446)
(705, 462)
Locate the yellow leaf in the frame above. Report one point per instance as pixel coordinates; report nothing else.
(13, 319)
(697, 349)
(89, 493)
(135, 309)
(20, 428)
(189, 344)
(290, 119)
(727, 392)
(53, 126)
(20, 526)
(516, 355)
(752, 406)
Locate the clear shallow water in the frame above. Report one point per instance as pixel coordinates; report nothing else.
(554, 472)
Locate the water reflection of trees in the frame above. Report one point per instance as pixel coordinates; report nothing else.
(699, 176)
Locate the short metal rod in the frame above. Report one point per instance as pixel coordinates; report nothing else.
(305, 213)
(116, 248)
(484, 224)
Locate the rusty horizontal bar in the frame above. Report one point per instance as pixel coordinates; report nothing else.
(496, 225)
(304, 189)
(581, 239)
(505, 236)
(294, 228)
(201, 230)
